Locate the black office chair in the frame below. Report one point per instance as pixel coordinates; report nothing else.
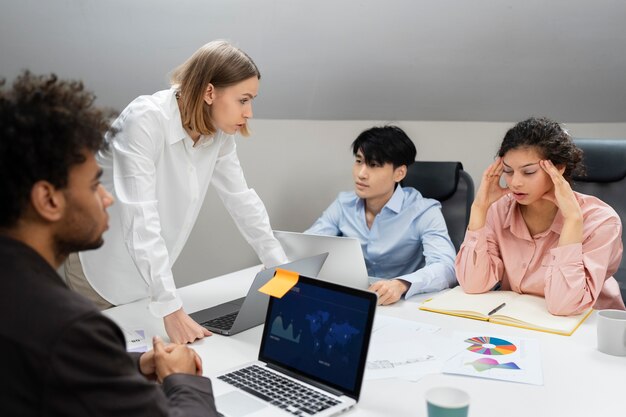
(450, 185)
(605, 160)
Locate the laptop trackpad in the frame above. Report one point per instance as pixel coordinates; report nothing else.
(238, 404)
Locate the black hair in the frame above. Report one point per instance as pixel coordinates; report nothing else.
(385, 144)
(550, 139)
(46, 125)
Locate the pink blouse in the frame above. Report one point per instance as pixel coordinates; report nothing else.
(572, 278)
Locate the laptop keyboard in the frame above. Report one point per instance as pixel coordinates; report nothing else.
(224, 322)
(279, 391)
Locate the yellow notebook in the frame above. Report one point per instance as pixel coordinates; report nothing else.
(519, 310)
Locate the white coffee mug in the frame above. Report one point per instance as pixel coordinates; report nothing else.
(612, 332)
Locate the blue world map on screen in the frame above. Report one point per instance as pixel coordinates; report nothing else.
(334, 334)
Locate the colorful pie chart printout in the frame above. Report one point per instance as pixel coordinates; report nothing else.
(504, 358)
(484, 364)
(485, 345)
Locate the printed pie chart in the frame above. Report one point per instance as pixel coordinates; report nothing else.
(485, 345)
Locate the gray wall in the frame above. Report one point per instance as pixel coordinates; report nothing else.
(453, 60)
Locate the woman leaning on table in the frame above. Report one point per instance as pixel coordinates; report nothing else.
(536, 235)
(169, 147)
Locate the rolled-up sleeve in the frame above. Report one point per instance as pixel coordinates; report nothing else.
(245, 206)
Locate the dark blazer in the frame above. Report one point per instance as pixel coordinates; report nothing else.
(61, 357)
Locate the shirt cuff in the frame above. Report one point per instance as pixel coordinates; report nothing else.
(567, 254)
(163, 308)
(419, 284)
(135, 356)
(199, 383)
(414, 289)
(472, 237)
(274, 257)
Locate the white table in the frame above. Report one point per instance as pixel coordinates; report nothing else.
(578, 380)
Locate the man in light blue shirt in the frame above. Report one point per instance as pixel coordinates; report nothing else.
(403, 235)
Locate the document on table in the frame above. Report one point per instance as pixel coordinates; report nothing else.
(135, 340)
(505, 358)
(392, 328)
(406, 349)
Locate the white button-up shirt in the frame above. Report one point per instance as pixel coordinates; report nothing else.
(159, 180)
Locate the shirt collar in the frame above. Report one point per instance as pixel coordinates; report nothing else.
(395, 202)
(177, 131)
(511, 215)
(515, 222)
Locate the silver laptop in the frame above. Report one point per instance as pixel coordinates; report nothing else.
(312, 355)
(244, 313)
(345, 264)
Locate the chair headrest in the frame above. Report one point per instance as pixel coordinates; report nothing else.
(433, 179)
(604, 159)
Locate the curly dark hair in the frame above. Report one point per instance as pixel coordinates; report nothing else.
(550, 139)
(46, 125)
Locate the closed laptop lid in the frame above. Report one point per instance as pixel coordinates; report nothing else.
(250, 310)
(345, 264)
(320, 331)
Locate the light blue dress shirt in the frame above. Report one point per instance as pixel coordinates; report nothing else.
(408, 240)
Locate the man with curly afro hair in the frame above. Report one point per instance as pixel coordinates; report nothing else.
(62, 356)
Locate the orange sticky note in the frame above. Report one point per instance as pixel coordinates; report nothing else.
(282, 282)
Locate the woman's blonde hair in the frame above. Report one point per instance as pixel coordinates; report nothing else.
(218, 63)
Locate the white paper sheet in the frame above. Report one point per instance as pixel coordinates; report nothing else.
(406, 349)
(505, 358)
(391, 328)
(135, 340)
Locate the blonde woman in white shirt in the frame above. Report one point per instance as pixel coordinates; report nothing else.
(169, 147)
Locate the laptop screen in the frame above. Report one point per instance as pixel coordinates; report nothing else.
(321, 331)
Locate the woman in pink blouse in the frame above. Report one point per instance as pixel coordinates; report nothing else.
(536, 235)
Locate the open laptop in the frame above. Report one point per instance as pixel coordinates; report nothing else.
(312, 355)
(345, 264)
(244, 313)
